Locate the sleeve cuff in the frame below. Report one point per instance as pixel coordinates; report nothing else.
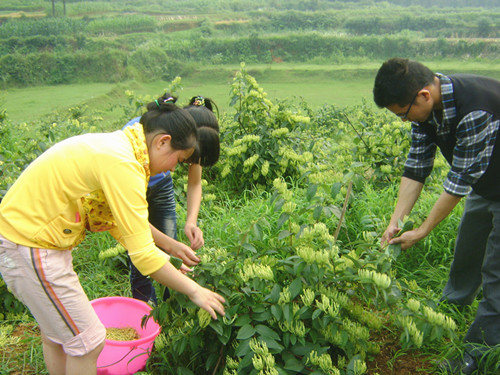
(413, 176)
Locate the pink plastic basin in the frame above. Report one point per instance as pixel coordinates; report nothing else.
(125, 357)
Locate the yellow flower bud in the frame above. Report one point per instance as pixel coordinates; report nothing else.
(204, 318)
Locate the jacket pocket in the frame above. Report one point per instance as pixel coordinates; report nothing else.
(60, 234)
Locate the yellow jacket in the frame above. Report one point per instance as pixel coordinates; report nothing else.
(42, 209)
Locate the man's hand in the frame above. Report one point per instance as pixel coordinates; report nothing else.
(389, 233)
(408, 239)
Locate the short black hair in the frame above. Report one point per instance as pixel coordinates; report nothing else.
(398, 80)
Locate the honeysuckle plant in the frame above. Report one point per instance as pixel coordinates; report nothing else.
(297, 302)
(263, 140)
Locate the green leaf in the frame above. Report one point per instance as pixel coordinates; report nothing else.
(259, 308)
(182, 345)
(292, 363)
(257, 231)
(274, 296)
(263, 316)
(242, 320)
(243, 348)
(287, 313)
(211, 361)
(295, 288)
(195, 341)
(226, 335)
(234, 100)
(393, 250)
(176, 262)
(249, 247)
(245, 332)
(216, 325)
(406, 227)
(315, 314)
(276, 311)
(282, 219)
(335, 189)
(286, 339)
(284, 234)
(302, 350)
(184, 371)
(273, 345)
(311, 191)
(267, 332)
(318, 210)
(400, 225)
(279, 203)
(350, 366)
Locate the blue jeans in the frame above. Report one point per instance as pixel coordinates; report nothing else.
(161, 209)
(476, 266)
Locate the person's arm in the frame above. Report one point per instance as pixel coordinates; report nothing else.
(441, 209)
(473, 134)
(194, 191)
(174, 247)
(409, 191)
(202, 297)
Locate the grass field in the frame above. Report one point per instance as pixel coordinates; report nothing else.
(24, 105)
(342, 85)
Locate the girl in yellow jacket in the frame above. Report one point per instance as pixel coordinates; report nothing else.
(91, 182)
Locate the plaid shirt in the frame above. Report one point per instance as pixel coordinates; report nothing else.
(476, 134)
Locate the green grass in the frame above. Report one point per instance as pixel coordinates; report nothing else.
(317, 85)
(339, 84)
(28, 104)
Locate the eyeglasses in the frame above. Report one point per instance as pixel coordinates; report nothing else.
(404, 116)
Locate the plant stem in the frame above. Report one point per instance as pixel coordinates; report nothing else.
(221, 352)
(359, 135)
(344, 208)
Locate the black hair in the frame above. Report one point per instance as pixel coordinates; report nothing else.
(398, 80)
(201, 109)
(164, 116)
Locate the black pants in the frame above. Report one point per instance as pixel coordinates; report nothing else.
(161, 209)
(476, 265)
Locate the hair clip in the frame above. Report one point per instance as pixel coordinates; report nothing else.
(169, 100)
(199, 101)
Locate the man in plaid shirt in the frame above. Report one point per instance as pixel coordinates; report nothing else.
(460, 114)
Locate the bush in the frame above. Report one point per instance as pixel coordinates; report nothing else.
(22, 143)
(26, 27)
(296, 301)
(122, 25)
(150, 62)
(263, 141)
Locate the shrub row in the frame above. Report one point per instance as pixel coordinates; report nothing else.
(101, 60)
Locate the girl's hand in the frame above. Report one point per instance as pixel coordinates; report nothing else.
(184, 269)
(194, 235)
(208, 300)
(185, 253)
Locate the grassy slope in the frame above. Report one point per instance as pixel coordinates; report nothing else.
(343, 85)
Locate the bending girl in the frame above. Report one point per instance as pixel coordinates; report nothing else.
(91, 182)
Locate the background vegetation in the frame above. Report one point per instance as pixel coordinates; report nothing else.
(107, 41)
(293, 212)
